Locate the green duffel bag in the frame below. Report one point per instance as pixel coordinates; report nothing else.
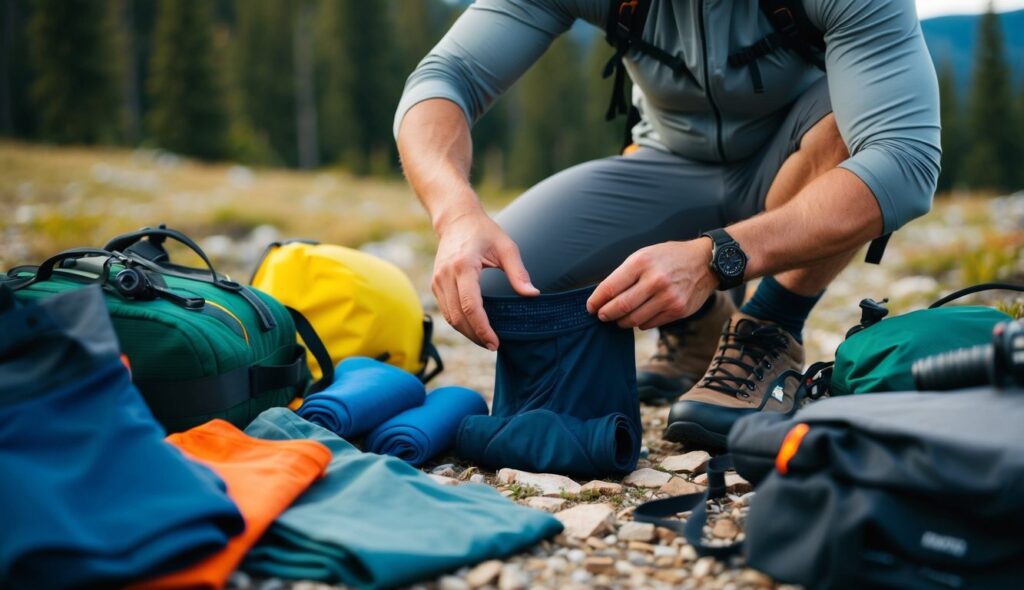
(878, 354)
(199, 345)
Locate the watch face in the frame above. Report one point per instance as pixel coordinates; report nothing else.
(731, 262)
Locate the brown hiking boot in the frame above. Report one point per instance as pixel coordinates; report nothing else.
(757, 369)
(685, 348)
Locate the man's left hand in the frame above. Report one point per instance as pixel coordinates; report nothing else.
(656, 285)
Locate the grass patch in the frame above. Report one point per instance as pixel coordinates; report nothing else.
(522, 492)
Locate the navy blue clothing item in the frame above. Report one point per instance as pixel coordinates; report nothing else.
(365, 393)
(775, 303)
(557, 357)
(420, 434)
(374, 521)
(91, 495)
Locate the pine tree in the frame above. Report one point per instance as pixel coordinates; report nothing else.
(188, 113)
(17, 117)
(952, 129)
(991, 161)
(75, 90)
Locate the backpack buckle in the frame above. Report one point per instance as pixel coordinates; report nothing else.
(785, 21)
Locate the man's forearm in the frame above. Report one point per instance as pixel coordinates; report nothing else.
(835, 213)
(436, 150)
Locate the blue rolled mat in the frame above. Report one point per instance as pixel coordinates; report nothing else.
(420, 434)
(365, 393)
(541, 440)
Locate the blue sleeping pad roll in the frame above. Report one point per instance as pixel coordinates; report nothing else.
(365, 393)
(565, 396)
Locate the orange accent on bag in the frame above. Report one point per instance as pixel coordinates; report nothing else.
(631, 149)
(790, 445)
(263, 478)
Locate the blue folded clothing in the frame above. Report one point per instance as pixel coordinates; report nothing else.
(565, 396)
(365, 393)
(92, 496)
(552, 443)
(374, 521)
(420, 434)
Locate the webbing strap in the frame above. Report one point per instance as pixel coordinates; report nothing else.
(316, 348)
(877, 249)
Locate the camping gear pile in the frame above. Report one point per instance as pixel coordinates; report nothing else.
(106, 350)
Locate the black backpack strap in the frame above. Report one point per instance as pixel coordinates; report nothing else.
(429, 352)
(792, 30)
(316, 347)
(659, 512)
(976, 289)
(877, 249)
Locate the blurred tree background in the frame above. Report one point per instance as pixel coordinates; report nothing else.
(313, 83)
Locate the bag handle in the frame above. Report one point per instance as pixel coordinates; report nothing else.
(316, 347)
(44, 271)
(976, 289)
(123, 242)
(429, 352)
(656, 511)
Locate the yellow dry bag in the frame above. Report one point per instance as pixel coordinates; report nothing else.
(358, 304)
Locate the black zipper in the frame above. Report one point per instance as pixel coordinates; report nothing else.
(707, 82)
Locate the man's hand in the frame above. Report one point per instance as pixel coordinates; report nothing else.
(656, 285)
(467, 245)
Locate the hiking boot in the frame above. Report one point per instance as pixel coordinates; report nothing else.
(685, 348)
(757, 369)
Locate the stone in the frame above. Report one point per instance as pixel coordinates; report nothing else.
(587, 520)
(477, 478)
(549, 484)
(755, 578)
(692, 462)
(636, 531)
(678, 486)
(672, 576)
(581, 577)
(576, 556)
(512, 577)
(604, 488)
(239, 580)
(443, 479)
(452, 583)
(647, 478)
(558, 564)
(599, 565)
(447, 470)
(735, 483)
(546, 504)
(595, 543)
(704, 567)
(725, 528)
(483, 574)
(272, 584)
(666, 535)
(688, 553)
(640, 546)
(664, 551)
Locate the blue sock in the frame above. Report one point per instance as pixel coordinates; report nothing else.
(775, 303)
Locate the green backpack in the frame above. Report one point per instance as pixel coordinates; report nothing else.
(199, 346)
(878, 354)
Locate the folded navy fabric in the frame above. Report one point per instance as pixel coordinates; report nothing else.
(365, 393)
(374, 521)
(565, 396)
(92, 496)
(420, 434)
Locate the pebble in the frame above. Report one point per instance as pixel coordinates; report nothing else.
(734, 482)
(688, 553)
(559, 564)
(599, 565)
(636, 531)
(725, 528)
(549, 484)
(581, 577)
(664, 551)
(755, 578)
(647, 478)
(576, 555)
(240, 580)
(477, 478)
(692, 462)
(678, 486)
(452, 583)
(272, 584)
(546, 504)
(703, 567)
(512, 577)
(644, 452)
(603, 488)
(587, 520)
(610, 540)
(447, 470)
(443, 479)
(483, 574)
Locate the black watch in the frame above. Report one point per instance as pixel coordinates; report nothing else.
(728, 261)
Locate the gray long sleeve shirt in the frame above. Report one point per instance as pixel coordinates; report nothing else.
(880, 76)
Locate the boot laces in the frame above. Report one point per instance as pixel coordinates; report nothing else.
(670, 340)
(761, 345)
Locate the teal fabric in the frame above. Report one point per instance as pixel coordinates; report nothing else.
(879, 358)
(377, 522)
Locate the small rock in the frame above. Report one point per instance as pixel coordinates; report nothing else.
(483, 574)
(644, 452)
(610, 540)
(477, 478)
(647, 478)
(666, 535)
(559, 564)
(240, 580)
(664, 551)
(549, 484)
(512, 577)
(272, 584)
(447, 470)
(692, 462)
(703, 567)
(688, 553)
(672, 576)
(744, 500)
(636, 531)
(576, 556)
(637, 558)
(603, 488)
(599, 565)
(678, 486)
(443, 479)
(452, 583)
(586, 520)
(735, 483)
(725, 528)
(581, 577)
(755, 578)
(641, 547)
(595, 543)
(546, 504)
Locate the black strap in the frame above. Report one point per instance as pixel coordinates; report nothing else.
(429, 352)
(877, 249)
(316, 348)
(45, 270)
(976, 289)
(656, 511)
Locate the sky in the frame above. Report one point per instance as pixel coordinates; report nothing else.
(929, 8)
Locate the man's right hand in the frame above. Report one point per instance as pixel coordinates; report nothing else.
(467, 244)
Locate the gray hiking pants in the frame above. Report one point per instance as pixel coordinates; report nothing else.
(576, 227)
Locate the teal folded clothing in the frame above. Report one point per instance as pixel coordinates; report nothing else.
(552, 443)
(420, 434)
(365, 393)
(375, 521)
